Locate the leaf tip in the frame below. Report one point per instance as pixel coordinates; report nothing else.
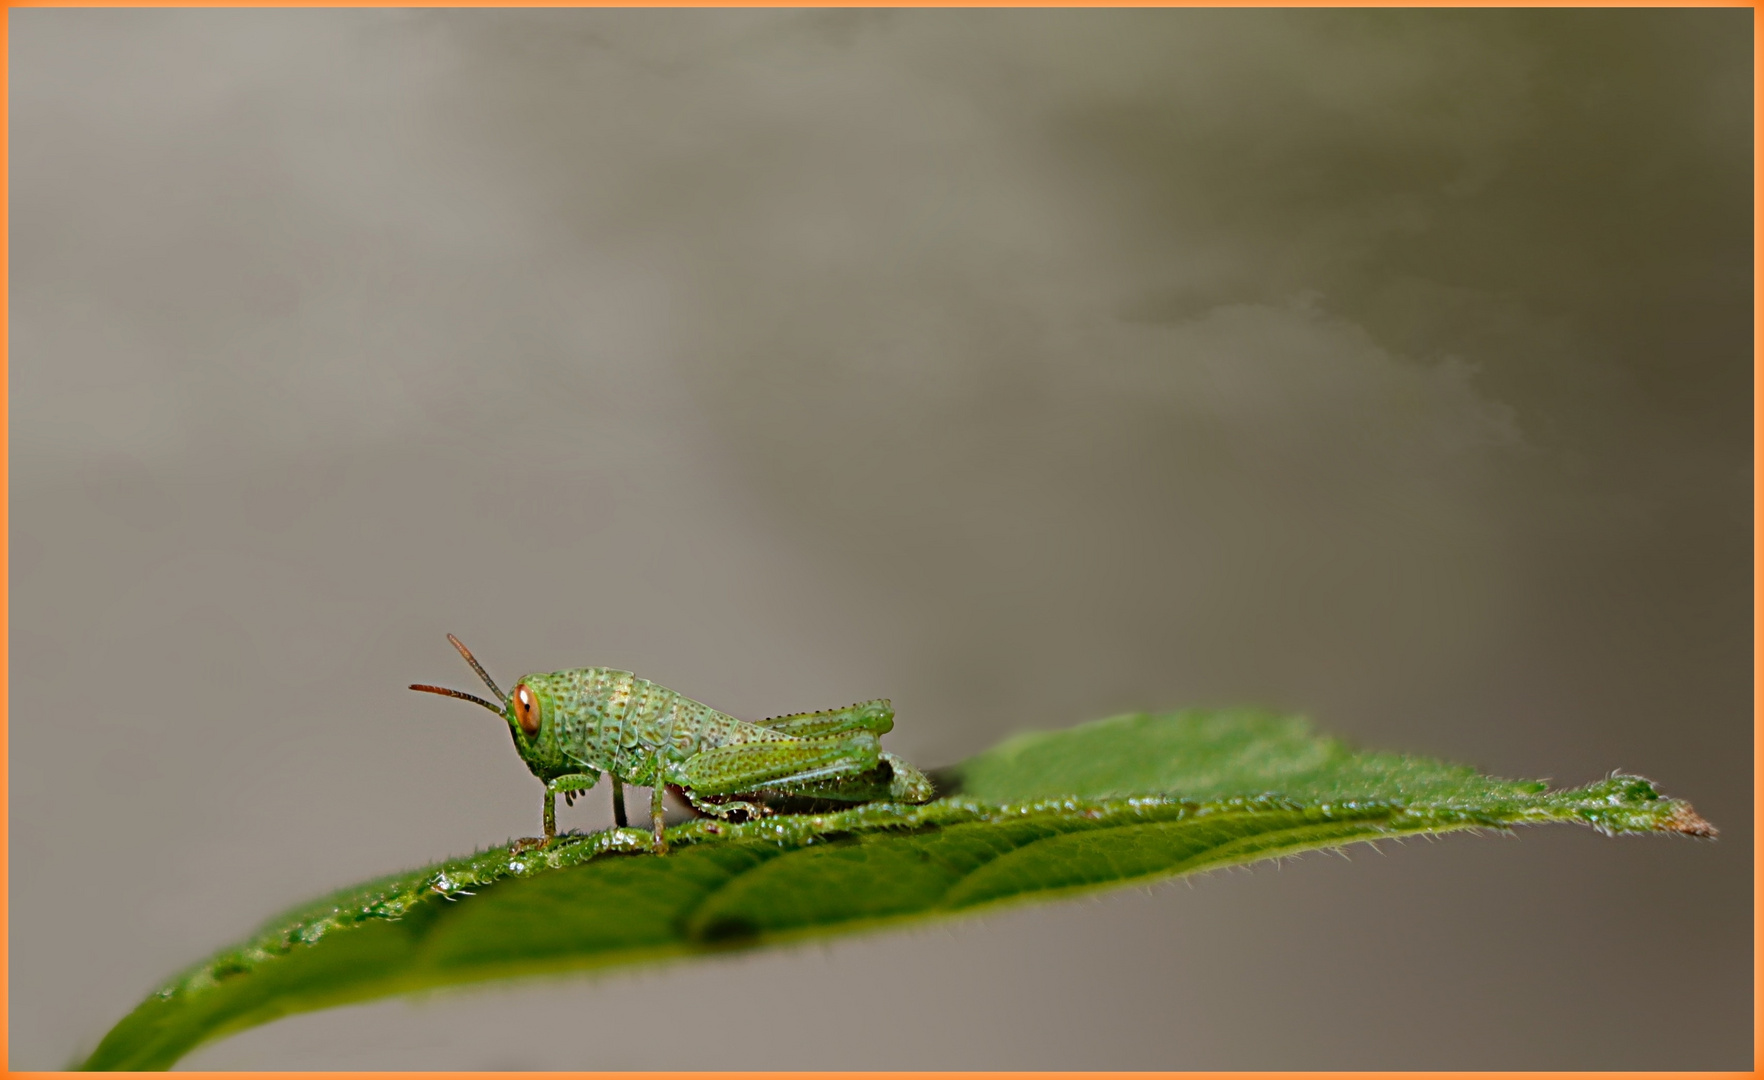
(1688, 822)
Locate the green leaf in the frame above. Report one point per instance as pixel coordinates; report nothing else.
(1127, 799)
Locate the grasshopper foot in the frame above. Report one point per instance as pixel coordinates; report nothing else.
(909, 784)
(528, 843)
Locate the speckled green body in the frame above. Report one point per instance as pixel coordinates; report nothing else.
(600, 720)
(604, 720)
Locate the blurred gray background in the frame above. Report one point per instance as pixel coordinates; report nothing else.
(1026, 367)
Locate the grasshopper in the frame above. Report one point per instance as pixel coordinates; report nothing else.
(571, 726)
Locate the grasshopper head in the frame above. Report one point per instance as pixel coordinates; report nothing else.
(538, 717)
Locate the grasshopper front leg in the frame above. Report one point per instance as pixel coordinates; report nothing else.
(560, 785)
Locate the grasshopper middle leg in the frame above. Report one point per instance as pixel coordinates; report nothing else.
(656, 808)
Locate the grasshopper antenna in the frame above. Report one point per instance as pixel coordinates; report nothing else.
(479, 668)
(460, 694)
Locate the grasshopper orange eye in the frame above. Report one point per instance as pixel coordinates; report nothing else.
(526, 708)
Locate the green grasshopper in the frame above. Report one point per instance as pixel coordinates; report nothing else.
(571, 726)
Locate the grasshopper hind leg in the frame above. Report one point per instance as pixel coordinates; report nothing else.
(907, 784)
(749, 810)
(875, 717)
